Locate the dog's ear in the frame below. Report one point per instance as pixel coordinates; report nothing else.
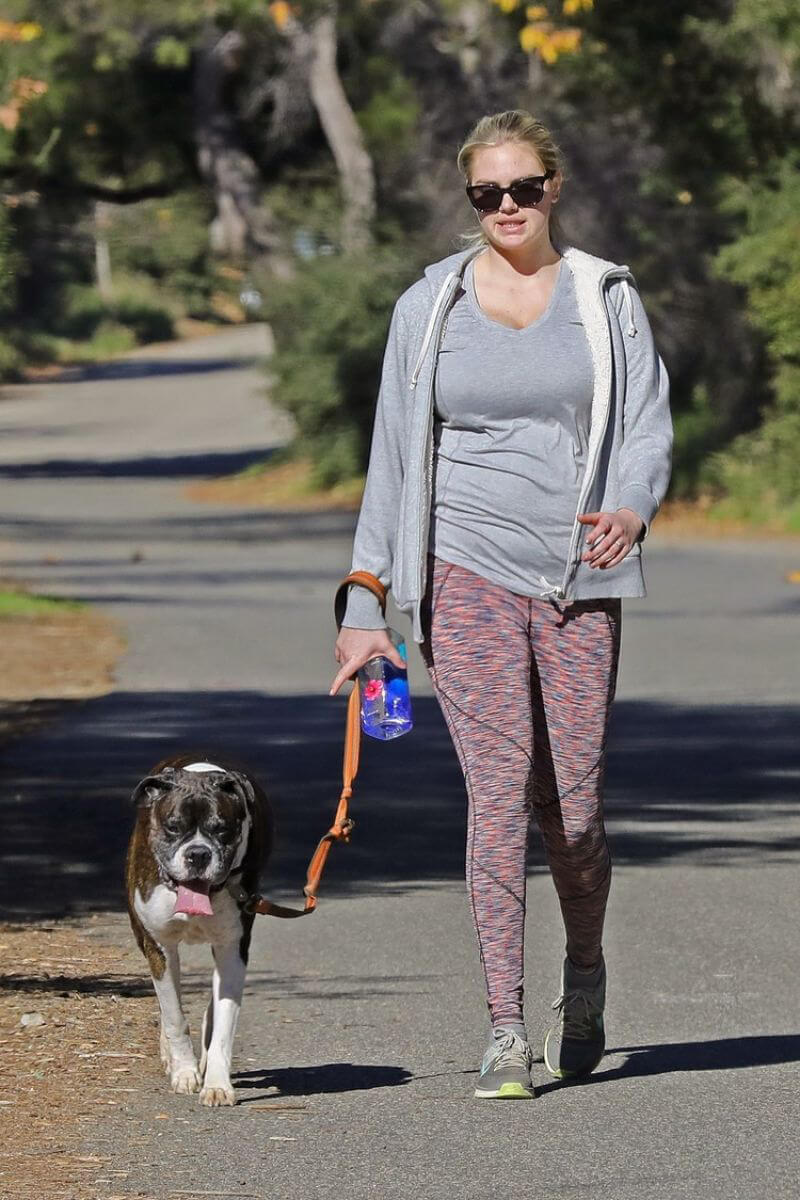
(152, 787)
(236, 784)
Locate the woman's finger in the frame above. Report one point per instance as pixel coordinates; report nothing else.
(618, 558)
(615, 555)
(600, 531)
(602, 544)
(349, 669)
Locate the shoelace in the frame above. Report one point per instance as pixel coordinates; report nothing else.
(510, 1051)
(578, 1014)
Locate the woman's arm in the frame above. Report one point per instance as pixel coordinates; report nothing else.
(363, 633)
(373, 545)
(645, 456)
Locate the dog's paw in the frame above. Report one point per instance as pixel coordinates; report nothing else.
(216, 1097)
(185, 1080)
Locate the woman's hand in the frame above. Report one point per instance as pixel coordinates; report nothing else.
(354, 647)
(613, 536)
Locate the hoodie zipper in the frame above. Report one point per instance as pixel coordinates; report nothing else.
(445, 297)
(429, 332)
(591, 467)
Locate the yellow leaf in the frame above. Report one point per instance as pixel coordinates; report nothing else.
(29, 31)
(567, 41)
(23, 31)
(280, 12)
(571, 7)
(536, 12)
(684, 197)
(531, 38)
(507, 6)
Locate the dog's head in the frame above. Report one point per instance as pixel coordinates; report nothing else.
(199, 823)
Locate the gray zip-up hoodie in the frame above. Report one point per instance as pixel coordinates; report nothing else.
(628, 457)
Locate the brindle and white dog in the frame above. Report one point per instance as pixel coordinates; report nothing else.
(202, 831)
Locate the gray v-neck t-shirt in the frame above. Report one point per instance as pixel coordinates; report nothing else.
(511, 431)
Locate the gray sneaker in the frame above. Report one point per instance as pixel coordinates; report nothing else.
(506, 1068)
(575, 1045)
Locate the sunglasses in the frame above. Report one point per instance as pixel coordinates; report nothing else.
(526, 193)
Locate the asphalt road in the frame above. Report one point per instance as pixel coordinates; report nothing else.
(367, 1021)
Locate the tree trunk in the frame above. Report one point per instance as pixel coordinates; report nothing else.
(102, 253)
(242, 226)
(344, 137)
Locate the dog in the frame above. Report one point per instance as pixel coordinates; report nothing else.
(203, 830)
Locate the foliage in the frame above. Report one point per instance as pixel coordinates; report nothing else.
(678, 121)
(330, 329)
(23, 604)
(760, 470)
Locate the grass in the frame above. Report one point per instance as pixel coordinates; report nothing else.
(16, 603)
(728, 518)
(279, 485)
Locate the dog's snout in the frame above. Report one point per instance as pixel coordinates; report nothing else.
(197, 857)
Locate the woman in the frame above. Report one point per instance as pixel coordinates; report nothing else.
(521, 449)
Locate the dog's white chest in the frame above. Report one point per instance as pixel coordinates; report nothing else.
(167, 927)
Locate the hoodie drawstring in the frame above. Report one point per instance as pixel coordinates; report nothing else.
(552, 591)
(626, 292)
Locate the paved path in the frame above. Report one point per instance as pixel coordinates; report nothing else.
(371, 1013)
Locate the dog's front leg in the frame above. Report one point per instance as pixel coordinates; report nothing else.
(228, 984)
(177, 1053)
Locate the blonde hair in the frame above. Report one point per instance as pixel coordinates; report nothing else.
(514, 125)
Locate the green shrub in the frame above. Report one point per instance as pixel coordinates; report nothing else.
(85, 312)
(330, 326)
(147, 321)
(758, 475)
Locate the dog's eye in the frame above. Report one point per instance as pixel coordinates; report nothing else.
(173, 826)
(221, 832)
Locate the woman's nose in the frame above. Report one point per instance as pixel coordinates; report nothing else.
(507, 205)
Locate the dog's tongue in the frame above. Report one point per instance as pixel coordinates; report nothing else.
(193, 900)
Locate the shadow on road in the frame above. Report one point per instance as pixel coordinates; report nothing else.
(201, 465)
(255, 527)
(313, 1081)
(704, 784)
(147, 368)
(724, 1054)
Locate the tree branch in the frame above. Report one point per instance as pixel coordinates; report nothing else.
(34, 181)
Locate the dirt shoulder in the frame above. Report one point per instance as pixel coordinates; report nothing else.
(52, 650)
(64, 996)
(78, 1035)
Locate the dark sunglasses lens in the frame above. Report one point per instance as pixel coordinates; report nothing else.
(486, 199)
(527, 193)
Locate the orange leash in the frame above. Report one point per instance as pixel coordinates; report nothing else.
(343, 824)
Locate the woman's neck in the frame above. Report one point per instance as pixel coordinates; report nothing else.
(525, 261)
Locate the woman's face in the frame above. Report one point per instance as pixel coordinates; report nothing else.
(512, 227)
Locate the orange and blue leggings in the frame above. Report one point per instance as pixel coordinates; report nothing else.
(525, 686)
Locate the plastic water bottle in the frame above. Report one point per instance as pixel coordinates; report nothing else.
(385, 700)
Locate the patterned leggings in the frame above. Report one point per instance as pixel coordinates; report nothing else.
(525, 686)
